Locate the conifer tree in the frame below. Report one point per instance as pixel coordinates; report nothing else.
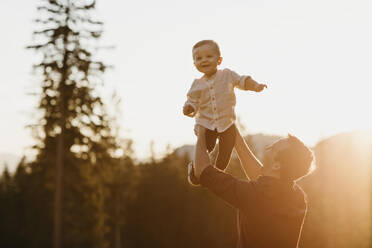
(74, 137)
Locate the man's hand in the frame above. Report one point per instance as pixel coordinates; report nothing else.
(188, 109)
(200, 130)
(260, 87)
(201, 155)
(196, 129)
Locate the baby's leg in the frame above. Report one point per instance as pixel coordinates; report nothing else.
(226, 144)
(210, 139)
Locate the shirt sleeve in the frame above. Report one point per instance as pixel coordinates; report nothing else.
(237, 80)
(193, 96)
(238, 193)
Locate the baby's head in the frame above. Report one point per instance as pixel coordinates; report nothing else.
(207, 56)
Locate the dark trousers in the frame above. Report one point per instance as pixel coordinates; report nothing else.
(226, 142)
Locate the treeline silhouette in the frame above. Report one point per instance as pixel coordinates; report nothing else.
(151, 204)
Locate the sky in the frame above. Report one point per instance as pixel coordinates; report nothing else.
(315, 56)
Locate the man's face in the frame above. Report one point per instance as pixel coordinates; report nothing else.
(270, 154)
(206, 59)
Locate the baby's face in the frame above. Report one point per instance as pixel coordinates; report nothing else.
(206, 59)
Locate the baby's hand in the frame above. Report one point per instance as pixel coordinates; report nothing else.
(187, 109)
(260, 87)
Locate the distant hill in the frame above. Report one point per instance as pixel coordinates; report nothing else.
(258, 143)
(339, 193)
(8, 159)
(185, 150)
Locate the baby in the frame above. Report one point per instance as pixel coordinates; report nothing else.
(211, 100)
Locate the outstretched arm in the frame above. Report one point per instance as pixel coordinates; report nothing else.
(245, 82)
(252, 85)
(250, 164)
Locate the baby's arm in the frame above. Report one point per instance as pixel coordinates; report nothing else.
(252, 85)
(245, 82)
(191, 106)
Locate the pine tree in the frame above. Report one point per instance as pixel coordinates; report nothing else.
(13, 210)
(74, 137)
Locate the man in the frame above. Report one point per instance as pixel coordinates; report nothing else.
(271, 207)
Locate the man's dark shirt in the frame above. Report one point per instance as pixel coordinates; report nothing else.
(270, 211)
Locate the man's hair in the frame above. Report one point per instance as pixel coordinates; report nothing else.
(296, 160)
(206, 42)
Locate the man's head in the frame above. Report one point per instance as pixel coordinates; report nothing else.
(288, 158)
(207, 56)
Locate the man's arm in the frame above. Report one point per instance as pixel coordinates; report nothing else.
(250, 164)
(237, 193)
(201, 156)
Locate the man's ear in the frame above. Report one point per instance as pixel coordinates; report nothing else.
(219, 61)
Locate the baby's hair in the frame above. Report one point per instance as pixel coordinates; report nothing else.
(205, 42)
